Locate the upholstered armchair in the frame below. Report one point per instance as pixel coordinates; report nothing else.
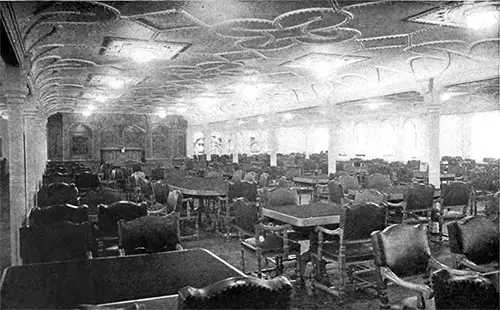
(149, 234)
(56, 242)
(268, 242)
(87, 181)
(348, 246)
(57, 213)
(416, 207)
(366, 195)
(402, 256)
(107, 221)
(349, 183)
(458, 199)
(378, 180)
(465, 292)
(58, 193)
(474, 243)
(238, 293)
(332, 192)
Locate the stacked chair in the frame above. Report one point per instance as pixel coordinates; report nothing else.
(457, 201)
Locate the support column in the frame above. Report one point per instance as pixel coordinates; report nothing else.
(466, 135)
(207, 140)
(189, 142)
(307, 140)
(400, 139)
(148, 153)
(333, 140)
(432, 98)
(32, 151)
(15, 92)
(273, 141)
(41, 159)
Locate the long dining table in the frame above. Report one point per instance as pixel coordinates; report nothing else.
(152, 280)
(304, 218)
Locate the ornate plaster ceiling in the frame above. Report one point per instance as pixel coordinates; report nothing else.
(219, 60)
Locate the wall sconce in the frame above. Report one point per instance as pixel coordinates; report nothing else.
(123, 149)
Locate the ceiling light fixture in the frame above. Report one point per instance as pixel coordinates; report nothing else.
(288, 116)
(260, 120)
(481, 19)
(445, 96)
(101, 98)
(162, 113)
(141, 51)
(373, 106)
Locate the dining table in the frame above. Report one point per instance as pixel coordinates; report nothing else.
(304, 218)
(152, 280)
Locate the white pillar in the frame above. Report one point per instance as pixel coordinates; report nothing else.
(32, 150)
(15, 92)
(432, 98)
(307, 140)
(333, 140)
(400, 139)
(466, 135)
(207, 133)
(273, 140)
(189, 142)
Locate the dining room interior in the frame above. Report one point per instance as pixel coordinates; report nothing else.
(249, 154)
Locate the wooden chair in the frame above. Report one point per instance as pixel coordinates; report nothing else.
(187, 215)
(416, 207)
(269, 242)
(279, 197)
(332, 192)
(349, 183)
(56, 242)
(348, 246)
(107, 220)
(238, 293)
(457, 201)
(378, 180)
(474, 243)
(149, 234)
(402, 256)
(225, 209)
(87, 181)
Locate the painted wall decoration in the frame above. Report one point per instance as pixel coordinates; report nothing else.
(91, 137)
(55, 137)
(216, 143)
(80, 140)
(255, 146)
(198, 143)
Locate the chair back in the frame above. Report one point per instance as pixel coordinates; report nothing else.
(246, 215)
(151, 233)
(175, 202)
(58, 193)
(57, 213)
(420, 197)
(464, 292)
(237, 176)
(369, 195)
(161, 190)
(359, 221)
(56, 242)
(280, 197)
(455, 193)
(108, 216)
(476, 237)
(349, 182)
(87, 180)
(238, 293)
(336, 191)
(378, 180)
(249, 190)
(264, 179)
(234, 190)
(402, 248)
(117, 174)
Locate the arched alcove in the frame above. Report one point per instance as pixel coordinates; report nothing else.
(133, 136)
(80, 139)
(387, 141)
(410, 139)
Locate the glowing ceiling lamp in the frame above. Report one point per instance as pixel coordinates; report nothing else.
(142, 55)
(260, 120)
(101, 98)
(288, 116)
(481, 19)
(162, 113)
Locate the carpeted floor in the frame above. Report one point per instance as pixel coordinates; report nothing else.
(229, 250)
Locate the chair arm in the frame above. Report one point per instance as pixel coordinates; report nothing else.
(438, 265)
(387, 273)
(162, 211)
(471, 265)
(344, 201)
(401, 204)
(336, 232)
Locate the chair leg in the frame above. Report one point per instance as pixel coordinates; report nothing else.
(342, 263)
(242, 260)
